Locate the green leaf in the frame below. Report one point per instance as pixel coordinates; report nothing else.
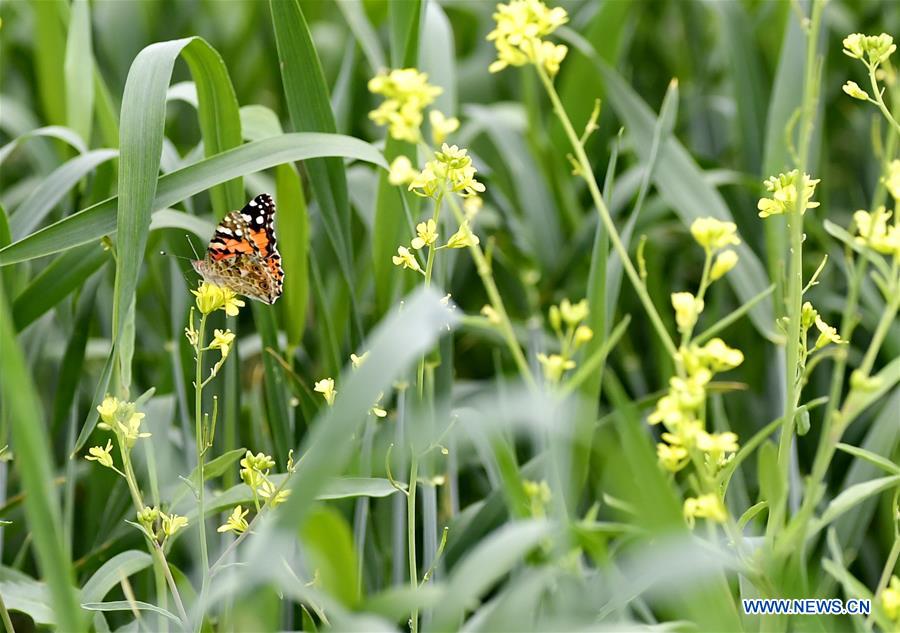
(100, 219)
(328, 543)
(881, 462)
(681, 183)
(850, 498)
(485, 564)
(858, 401)
(23, 593)
(55, 282)
(49, 53)
(293, 238)
(54, 188)
(280, 423)
(51, 131)
(112, 572)
(130, 606)
(771, 485)
(355, 15)
(309, 106)
(79, 70)
(34, 464)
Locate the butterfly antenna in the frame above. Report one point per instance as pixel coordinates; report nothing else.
(188, 238)
(165, 254)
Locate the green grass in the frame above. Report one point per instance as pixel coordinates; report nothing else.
(490, 497)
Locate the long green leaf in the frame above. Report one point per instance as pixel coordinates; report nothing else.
(112, 572)
(79, 70)
(35, 468)
(94, 222)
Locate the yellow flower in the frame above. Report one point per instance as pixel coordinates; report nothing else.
(451, 170)
(724, 262)
(472, 205)
(230, 302)
(717, 445)
(853, 89)
(892, 180)
(717, 356)
(357, 361)
(209, 297)
(784, 194)
(236, 522)
(520, 25)
(326, 388)
(222, 341)
(463, 237)
(254, 468)
(808, 315)
(890, 599)
(704, 507)
(270, 492)
(101, 455)
(402, 171)
(441, 126)
(554, 366)
(573, 314)
(672, 458)
(131, 428)
(874, 231)
(426, 234)
(107, 410)
(171, 523)
(687, 309)
(713, 234)
(407, 93)
(827, 334)
(492, 316)
(583, 334)
(876, 47)
(405, 259)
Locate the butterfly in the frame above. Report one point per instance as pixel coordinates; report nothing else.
(242, 254)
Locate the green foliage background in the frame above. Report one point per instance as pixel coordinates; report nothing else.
(100, 147)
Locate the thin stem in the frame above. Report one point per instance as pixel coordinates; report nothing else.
(198, 432)
(411, 535)
(886, 572)
(586, 171)
(879, 101)
(4, 615)
(795, 269)
(483, 269)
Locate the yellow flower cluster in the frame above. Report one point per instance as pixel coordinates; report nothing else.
(874, 232)
(871, 49)
(520, 25)
(123, 419)
(707, 506)
(892, 180)
(809, 316)
(255, 473)
(683, 409)
(211, 297)
(451, 170)
(566, 319)
(784, 194)
(407, 93)
(538, 493)
(168, 524)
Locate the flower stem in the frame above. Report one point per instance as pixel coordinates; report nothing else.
(587, 173)
(795, 266)
(411, 535)
(198, 432)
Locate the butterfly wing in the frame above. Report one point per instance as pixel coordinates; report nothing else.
(242, 253)
(259, 214)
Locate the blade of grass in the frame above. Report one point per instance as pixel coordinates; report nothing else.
(55, 282)
(309, 106)
(54, 188)
(35, 468)
(79, 70)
